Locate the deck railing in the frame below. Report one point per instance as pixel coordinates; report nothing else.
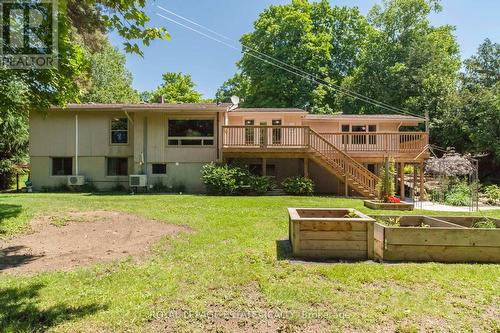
(400, 142)
(265, 136)
(343, 163)
(298, 137)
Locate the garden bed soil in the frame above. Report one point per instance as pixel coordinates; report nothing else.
(82, 238)
(380, 205)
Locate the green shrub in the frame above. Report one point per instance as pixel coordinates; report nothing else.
(218, 179)
(492, 194)
(231, 180)
(458, 194)
(224, 179)
(298, 186)
(261, 185)
(178, 188)
(118, 188)
(409, 169)
(88, 187)
(61, 188)
(159, 187)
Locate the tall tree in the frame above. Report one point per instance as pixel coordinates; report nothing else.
(14, 94)
(473, 125)
(109, 80)
(238, 85)
(406, 62)
(92, 18)
(176, 87)
(314, 37)
(35, 90)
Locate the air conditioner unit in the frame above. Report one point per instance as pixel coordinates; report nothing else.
(138, 180)
(76, 180)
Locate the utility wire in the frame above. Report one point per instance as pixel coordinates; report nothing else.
(332, 85)
(291, 69)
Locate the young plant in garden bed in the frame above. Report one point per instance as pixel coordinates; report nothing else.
(390, 221)
(386, 186)
(351, 215)
(484, 223)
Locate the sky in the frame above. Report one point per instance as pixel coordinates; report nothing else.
(210, 63)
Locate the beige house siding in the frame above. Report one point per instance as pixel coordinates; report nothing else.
(53, 135)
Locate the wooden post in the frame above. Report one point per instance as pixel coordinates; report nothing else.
(402, 180)
(422, 196)
(370, 236)
(306, 167)
(414, 181)
(264, 167)
(346, 187)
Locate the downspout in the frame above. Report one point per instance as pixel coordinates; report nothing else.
(76, 145)
(145, 147)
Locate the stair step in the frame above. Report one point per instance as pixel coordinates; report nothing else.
(276, 192)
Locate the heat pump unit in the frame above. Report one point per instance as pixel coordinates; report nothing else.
(76, 180)
(138, 180)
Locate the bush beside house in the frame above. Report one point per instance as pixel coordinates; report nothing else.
(298, 186)
(223, 179)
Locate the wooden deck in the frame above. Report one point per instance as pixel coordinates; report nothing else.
(341, 154)
(365, 148)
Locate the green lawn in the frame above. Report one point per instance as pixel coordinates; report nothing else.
(230, 264)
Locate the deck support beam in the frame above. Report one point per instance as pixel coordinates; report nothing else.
(414, 182)
(264, 167)
(346, 186)
(422, 196)
(306, 167)
(402, 180)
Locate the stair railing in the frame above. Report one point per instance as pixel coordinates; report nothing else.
(342, 162)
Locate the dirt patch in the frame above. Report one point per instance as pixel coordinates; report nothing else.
(78, 239)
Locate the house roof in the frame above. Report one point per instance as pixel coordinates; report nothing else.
(145, 107)
(224, 107)
(269, 110)
(341, 116)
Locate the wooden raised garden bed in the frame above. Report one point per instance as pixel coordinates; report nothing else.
(380, 205)
(330, 233)
(441, 239)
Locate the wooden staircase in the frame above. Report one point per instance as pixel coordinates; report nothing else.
(337, 162)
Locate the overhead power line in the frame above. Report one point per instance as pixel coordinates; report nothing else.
(278, 63)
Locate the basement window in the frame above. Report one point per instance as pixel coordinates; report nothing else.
(117, 166)
(62, 166)
(159, 169)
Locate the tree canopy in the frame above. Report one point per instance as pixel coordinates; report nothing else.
(405, 62)
(319, 39)
(176, 87)
(82, 26)
(109, 81)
